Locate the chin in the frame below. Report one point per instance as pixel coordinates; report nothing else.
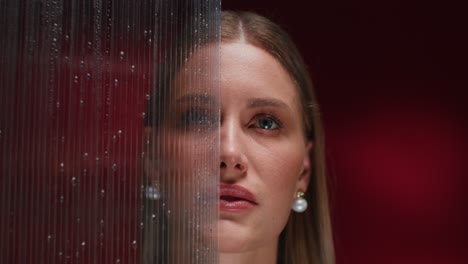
(234, 237)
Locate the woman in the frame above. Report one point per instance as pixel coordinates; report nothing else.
(271, 155)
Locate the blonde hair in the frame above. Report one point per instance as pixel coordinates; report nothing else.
(307, 237)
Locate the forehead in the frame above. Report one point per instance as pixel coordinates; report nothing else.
(248, 71)
(240, 71)
(199, 71)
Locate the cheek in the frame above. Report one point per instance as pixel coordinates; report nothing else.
(278, 168)
(184, 167)
(281, 163)
(278, 172)
(188, 154)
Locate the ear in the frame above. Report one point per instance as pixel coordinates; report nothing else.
(304, 177)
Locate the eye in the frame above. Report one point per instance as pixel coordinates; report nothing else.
(197, 118)
(267, 123)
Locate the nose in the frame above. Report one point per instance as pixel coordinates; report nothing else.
(233, 165)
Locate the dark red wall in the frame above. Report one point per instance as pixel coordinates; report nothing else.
(391, 77)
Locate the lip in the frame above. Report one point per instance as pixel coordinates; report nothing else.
(235, 198)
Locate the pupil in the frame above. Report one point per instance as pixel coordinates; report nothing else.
(265, 123)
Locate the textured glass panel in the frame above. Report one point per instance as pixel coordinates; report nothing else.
(109, 131)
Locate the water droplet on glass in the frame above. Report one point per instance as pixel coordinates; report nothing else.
(122, 55)
(57, 104)
(62, 167)
(83, 243)
(49, 237)
(82, 63)
(60, 253)
(88, 76)
(102, 222)
(86, 155)
(142, 225)
(132, 68)
(78, 220)
(134, 244)
(90, 44)
(147, 96)
(81, 102)
(116, 82)
(103, 192)
(54, 39)
(75, 79)
(119, 133)
(97, 158)
(143, 115)
(153, 217)
(114, 167)
(62, 199)
(67, 37)
(73, 180)
(117, 261)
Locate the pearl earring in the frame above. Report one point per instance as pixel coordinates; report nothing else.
(152, 193)
(300, 204)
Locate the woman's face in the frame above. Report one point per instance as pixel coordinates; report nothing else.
(264, 154)
(264, 157)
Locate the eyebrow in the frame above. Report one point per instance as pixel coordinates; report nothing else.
(197, 98)
(263, 102)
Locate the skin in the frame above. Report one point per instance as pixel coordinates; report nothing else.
(178, 156)
(263, 149)
(263, 146)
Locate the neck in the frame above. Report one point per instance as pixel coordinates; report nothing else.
(264, 255)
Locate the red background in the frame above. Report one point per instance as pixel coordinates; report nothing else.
(391, 80)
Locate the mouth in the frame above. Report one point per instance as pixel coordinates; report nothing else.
(229, 198)
(235, 198)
